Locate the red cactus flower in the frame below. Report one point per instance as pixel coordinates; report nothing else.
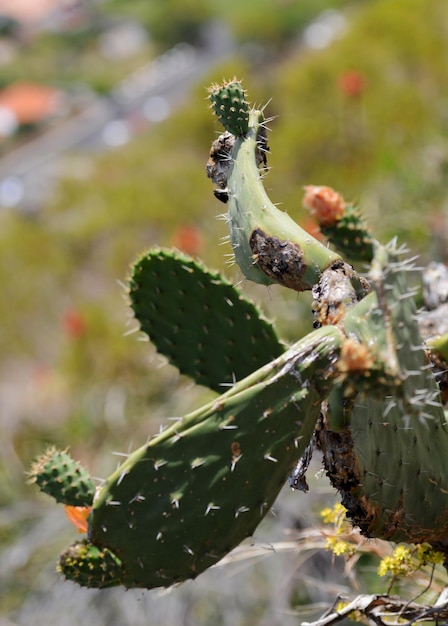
(73, 323)
(352, 84)
(188, 238)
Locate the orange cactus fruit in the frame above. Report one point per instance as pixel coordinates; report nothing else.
(78, 515)
(324, 203)
(355, 358)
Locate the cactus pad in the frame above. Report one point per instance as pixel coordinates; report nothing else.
(351, 236)
(199, 320)
(231, 107)
(59, 476)
(269, 246)
(391, 478)
(90, 566)
(181, 502)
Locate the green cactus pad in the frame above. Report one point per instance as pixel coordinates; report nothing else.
(198, 320)
(230, 106)
(180, 503)
(351, 236)
(393, 477)
(269, 246)
(90, 566)
(59, 476)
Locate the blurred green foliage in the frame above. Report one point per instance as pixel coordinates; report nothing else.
(385, 147)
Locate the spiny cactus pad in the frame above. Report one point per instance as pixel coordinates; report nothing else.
(181, 502)
(391, 476)
(351, 236)
(59, 476)
(269, 246)
(231, 107)
(90, 566)
(199, 320)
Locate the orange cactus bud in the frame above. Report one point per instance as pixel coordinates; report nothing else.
(355, 357)
(78, 515)
(324, 203)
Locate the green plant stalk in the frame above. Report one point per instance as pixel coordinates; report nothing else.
(182, 501)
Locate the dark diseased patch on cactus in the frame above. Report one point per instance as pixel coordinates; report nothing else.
(344, 473)
(280, 260)
(338, 289)
(219, 161)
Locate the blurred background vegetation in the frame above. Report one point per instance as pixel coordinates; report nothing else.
(359, 98)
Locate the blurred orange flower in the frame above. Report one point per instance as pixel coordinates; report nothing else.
(73, 323)
(189, 239)
(352, 84)
(78, 515)
(324, 203)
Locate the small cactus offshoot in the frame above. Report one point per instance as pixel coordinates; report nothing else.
(66, 480)
(368, 386)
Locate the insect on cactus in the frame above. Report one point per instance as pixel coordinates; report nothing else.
(362, 386)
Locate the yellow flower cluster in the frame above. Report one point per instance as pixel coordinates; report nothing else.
(340, 547)
(426, 554)
(399, 563)
(336, 515)
(405, 560)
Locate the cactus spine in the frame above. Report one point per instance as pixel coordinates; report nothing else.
(182, 501)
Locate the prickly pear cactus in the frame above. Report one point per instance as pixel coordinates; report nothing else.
(363, 385)
(198, 320)
(388, 467)
(181, 502)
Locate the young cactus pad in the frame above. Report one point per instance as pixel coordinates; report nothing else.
(198, 320)
(59, 476)
(181, 502)
(231, 107)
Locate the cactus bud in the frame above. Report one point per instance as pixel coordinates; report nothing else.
(324, 203)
